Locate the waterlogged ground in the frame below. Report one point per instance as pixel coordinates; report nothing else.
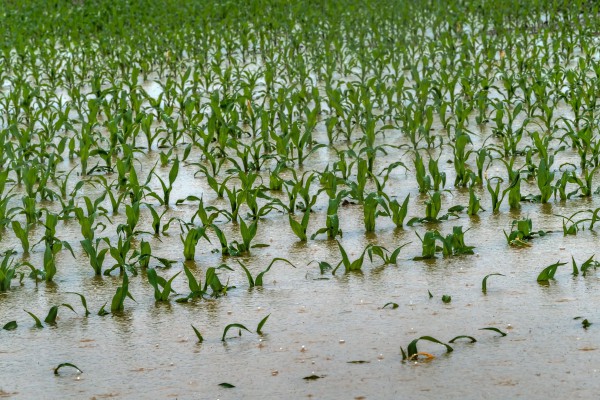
(258, 83)
(330, 326)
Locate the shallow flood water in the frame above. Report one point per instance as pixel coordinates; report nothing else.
(328, 335)
(330, 326)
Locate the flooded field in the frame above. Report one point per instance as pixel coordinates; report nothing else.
(363, 200)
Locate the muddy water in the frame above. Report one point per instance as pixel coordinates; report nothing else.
(329, 326)
(333, 327)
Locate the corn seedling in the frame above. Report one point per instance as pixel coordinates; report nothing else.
(167, 188)
(22, 234)
(191, 240)
(118, 300)
(332, 223)
(548, 272)
(299, 228)
(95, 255)
(258, 281)
(521, 232)
(350, 266)
(412, 352)
(261, 324)
(7, 271)
(388, 257)
(198, 334)
(53, 313)
(585, 266)
(398, 212)
(433, 206)
(162, 287)
(83, 302)
(484, 281)
(228, 327)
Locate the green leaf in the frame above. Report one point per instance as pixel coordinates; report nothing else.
(194, 285)
(391, 304)
(10, 326)
(102, 312)
(471, 338)
(484, 282)
(261, 324)
(174, 171)
(167, 288)
(259, 278)
(198, 335)
(313, 377)
(412, 347)
(548, 272)
(52, 314)
(248, 274)
(83, 302)
(226, 385)
(66, 365)
(585, 323)
(240, 326)
(491, 328)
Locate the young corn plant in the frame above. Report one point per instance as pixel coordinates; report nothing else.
(195, 286)
(162, 287)
(258, 281)
(95, 255)
(428, 244)
(22, 233)
(398, 211)
(7, 270)
(166, 188)
(585, 266)
(548, 273)
(350, 266)
(498, 198)
(474, 203)
(388, 257)
(413, 353)
(370, 212)
(118, 300)
(300, 228)
(192, 237)
(332, 223)
(433, 206)
(522, 232)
